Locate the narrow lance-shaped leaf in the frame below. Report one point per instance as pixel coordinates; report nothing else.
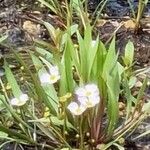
(129, 54)
(113, 96)
(111, 77)
(92, 51)
(70, 31)
(49, 89)
(66, 82)
(129, 97)
(110, 61)
(44, 53)
(83, 55)
(48, 5)
(51, 31)
(12, 81)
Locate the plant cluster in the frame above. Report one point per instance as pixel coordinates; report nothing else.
(71, 100)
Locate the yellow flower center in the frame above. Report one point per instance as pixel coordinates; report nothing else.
(78, 110)
(52, 77)
(88, 93)
(89, 103)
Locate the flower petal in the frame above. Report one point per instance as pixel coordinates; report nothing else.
(72, 106)
(14, 101)
(94, 100)
(92, 87)
(17, 102)
(21, 103)
(24, 97)
(89, 101)
(76, 109)
(80, 92)
(92, 90)
(54, 70)
(45, 78)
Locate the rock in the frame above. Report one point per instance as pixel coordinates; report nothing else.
(16, 37)
(32, 28)
(138, 84)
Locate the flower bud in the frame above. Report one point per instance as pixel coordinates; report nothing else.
(77, 136)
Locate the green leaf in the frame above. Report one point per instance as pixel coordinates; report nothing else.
(49, 89)
(132, 81)
(58, 122)
(142, 89)
(129, 54)
(101, 56)
(83, 58)
(128, 96)
(14, 133)
(111, 77)
(48, 5)
(66, 82)
(70, 31)
(3, 134)
(113, 86)
(121, 69)
(92, 51)
(110, 61)
(46, 54)
(51, 30)
(47, 63)
(12, 81)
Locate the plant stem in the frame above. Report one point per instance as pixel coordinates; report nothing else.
(139, 14)
(10, 109)
(81, 134)
(65, 121)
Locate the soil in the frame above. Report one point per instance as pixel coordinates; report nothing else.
(21, 25)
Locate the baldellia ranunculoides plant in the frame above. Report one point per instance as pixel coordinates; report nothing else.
(71, 100)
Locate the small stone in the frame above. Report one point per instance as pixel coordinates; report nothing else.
(16, 37)
(129, 24)
(115, 23)
(121, 114)
(121, 105)
(100, 22)
(138, 84)
(32, 28)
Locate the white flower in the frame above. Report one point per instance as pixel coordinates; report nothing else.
(76, 109)
(20, 101)
(88, 91)
(51, 77)
(90, 101)
(88, 96)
